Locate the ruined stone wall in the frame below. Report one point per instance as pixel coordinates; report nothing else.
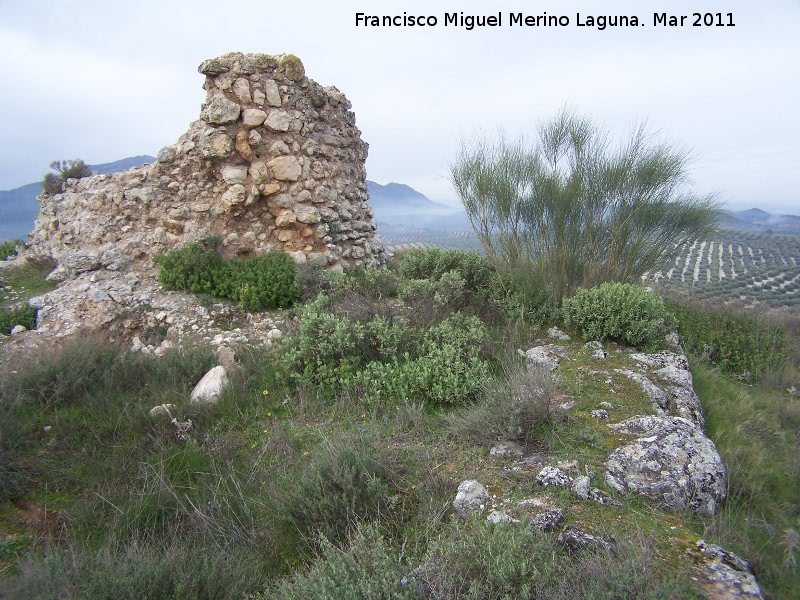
(275, 162)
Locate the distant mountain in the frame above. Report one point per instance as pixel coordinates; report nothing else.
(396, 204)
(19, 207)
(756, 219)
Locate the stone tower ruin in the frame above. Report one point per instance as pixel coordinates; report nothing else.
(275, 162)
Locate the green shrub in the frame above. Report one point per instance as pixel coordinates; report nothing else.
(511, 410)
(386, 358)
(259, 282)
(375, 284)
(9, 318)
(619, 312)
(529, 298)
(737, 342)
(449, 280)
(365, 569)
(340, 486)
(65, 169)
(8, 249)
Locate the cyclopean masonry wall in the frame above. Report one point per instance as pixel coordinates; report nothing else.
(275, 162)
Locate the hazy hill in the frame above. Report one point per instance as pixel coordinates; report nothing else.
(19, 207)
(396, 204)
(756, 219)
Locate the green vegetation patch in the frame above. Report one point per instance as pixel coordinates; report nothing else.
(257, 283)
(619, 312)
(738, 343)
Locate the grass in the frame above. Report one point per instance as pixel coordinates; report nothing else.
(757, 432)
(280, 491)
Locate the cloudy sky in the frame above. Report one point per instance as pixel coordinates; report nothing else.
(102, 81)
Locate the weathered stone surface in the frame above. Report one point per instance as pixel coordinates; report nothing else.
(582, 488)
(497, 517)
(556, 333)
(278, 120)
(220, 111)
(471, 497)
(549, 520)
(235, 195)
(672, 463)
(272, 92)
(543, 357)
(505, 449)
(210, 387)
(166, 155)
(307, 214)
(215, 144)
(553, 476)
(574, 539)
(241, 87)
(657, 396)
(253, 117)
(232, 175)
(285, 168)
(723, 575)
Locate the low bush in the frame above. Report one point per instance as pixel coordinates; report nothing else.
(364, 569)
(383, 357)
(529, 299)
(443, 281)
(513, 407)
(257, 283)
(8, 249)
(11, 317)
(620, 312)
(738, 343)
(341, 486)
(64, 169)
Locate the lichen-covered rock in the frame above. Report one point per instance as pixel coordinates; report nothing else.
(574, 539)
(505, 449)
(656, 395)
(582, 488)
(722, 574)
(544, 358)
(553, 476)
(672, 462)
(498, 517)
(549, 520)
(674, 394)
(471, 497)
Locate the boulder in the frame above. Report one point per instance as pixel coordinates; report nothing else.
(549, 520)
(553, 476)
(574, 539)
(471, 497)
(672, 463)
(210, 387)
(722, 574)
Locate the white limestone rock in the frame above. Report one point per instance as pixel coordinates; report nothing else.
(209, 389)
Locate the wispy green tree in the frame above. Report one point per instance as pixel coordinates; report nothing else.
(64, 169)
(574, 210)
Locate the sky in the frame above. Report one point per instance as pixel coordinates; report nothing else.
(103, 81)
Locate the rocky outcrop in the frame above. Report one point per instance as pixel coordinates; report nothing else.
(275, 162)
(723, 575)
(672, 462)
